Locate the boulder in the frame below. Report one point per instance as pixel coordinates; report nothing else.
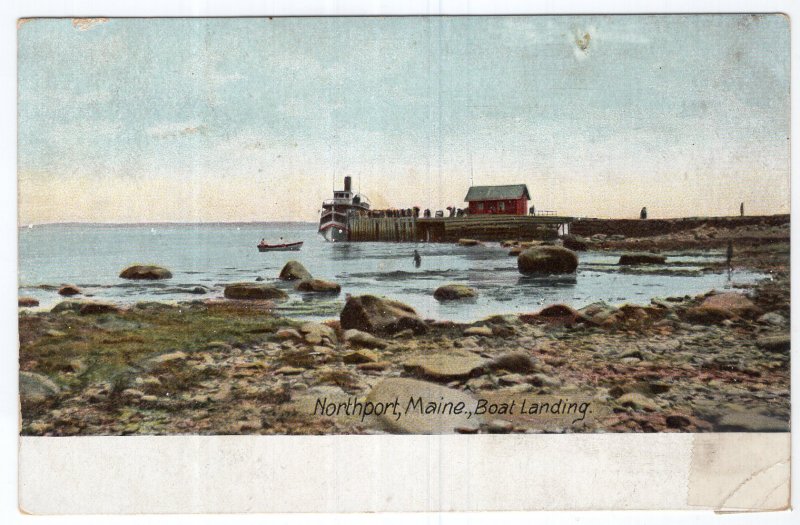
(27, 302)
(358, 338)
(414, 397)
(720, 307)
(453, 292)
(735, 303)
(445, 366)
(547, 260)
(294, 271)
(67, 306)
(515, 251)
(575, 243)
(36, 388)
(253, 291)
(148, 272)
(560, 314)
(317, 286)
(69, 290)
(629, 259)
(380, 315)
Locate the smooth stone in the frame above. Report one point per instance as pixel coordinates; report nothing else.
(288, 333)
(414, 422)
(469, 242)
(253, 291)
(454, 292)
(445, 366)
(637, 401)
(479, 330)
(772, 318)
(500, 426)
(751, 422)
(355, 337)
(359, 356)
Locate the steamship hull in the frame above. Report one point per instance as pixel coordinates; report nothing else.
(333, 222)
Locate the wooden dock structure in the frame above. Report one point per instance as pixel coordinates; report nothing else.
(451, 229)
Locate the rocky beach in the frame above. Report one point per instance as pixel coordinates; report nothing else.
(713, 362)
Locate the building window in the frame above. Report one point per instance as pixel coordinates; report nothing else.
(501, 206)
(480, 206)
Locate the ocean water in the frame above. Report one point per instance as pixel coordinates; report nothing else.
(212, 255)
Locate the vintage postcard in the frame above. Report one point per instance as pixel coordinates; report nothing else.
(546, 231)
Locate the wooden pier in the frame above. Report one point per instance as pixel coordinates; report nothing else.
(451, 229)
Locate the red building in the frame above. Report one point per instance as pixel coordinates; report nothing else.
(498, 200)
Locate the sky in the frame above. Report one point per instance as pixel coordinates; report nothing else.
(256, 119)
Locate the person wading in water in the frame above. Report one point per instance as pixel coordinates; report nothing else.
(729, 257)
(417, 259)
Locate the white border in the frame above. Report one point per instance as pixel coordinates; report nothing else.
(19, 8)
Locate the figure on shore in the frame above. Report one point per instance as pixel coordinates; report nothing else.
(741, 209)
(416, 212)
(532, 210)
(417, 259)
(427, 213)
(643, 213)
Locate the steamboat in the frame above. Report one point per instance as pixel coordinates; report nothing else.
(333, 221)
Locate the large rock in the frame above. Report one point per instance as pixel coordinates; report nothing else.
(560, 314)
(446, 366)
(69, 290)
(317, 286)
(575, 243)
(547, 260)
(253, 291)
(414, 397)
(147, 272)
(294, 271)
(732, 302)
(629, 259)
(27, 301)
(720, 307)
(93, 307)
(357, 338)
(380, 315)
(453, 292)
(36, 388)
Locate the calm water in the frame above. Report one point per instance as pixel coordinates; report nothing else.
(210, 255)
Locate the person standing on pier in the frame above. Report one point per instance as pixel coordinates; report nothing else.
(741, 210)
(417, 259)
(643, 213)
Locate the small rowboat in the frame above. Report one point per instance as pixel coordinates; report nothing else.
(286, 247)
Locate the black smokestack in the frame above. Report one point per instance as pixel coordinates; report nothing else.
(347, 183)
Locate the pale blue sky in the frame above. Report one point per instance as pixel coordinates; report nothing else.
(249, 119)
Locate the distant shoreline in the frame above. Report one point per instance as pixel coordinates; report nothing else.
(314, 223)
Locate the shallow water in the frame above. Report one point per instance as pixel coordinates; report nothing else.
(211, 255)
